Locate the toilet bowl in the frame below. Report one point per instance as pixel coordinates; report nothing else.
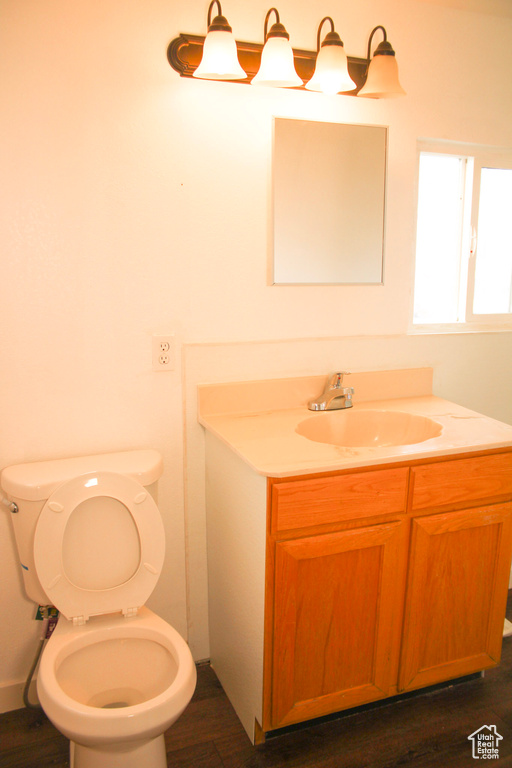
(113, 675)
(114, 686)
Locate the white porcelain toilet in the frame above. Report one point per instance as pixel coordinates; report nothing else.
(113, 675)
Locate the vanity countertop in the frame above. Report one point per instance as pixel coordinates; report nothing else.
(267, 440)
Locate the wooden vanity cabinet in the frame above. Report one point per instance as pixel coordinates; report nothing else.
(456, 594)
(459, 566)
(335, 620)
(382, 581)
(338, 551)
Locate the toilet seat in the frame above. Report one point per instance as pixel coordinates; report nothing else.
(103, 574)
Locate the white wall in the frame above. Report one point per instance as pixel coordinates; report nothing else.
(136, 202)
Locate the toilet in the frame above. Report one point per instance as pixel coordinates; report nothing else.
(113, 676)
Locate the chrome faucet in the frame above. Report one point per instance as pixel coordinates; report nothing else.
(335, 395)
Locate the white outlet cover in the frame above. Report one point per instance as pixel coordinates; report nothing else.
(162, 353)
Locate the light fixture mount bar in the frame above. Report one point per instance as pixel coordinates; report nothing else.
(184, 55)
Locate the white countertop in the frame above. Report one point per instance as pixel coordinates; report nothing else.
(267, 440)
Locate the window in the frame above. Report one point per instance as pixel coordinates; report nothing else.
(464, 237)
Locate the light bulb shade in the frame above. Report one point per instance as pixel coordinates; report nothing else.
(277, 68)
(382, 81)
(220, 58)
(331, 72)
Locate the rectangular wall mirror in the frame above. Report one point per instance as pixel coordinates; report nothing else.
(329, 190)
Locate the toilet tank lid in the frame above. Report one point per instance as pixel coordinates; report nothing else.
(38, 480)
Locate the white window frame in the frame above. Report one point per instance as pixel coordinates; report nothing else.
(478, 157)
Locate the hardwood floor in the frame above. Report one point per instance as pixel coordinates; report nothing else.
(422, 732)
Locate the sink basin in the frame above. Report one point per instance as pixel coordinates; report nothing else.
(366, 429)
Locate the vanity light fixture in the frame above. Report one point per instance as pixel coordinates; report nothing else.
(277, 68)
(220, 58)
(382, 79)
(331, 71)
(197, 56)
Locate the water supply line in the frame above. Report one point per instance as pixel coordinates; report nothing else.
(49, 626)
(42, 641)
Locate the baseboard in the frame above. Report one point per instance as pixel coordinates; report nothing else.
(11, 696)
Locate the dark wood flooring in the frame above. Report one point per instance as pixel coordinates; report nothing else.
(427, 731)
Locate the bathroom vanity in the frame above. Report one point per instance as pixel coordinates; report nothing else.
(344, 574)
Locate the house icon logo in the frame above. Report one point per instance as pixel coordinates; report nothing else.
(486, 743)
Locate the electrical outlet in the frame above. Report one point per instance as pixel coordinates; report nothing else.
(162, 353)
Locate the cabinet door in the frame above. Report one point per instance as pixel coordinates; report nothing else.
(337, 617)
(457, 594)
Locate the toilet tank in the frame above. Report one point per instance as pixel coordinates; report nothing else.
(31, 485)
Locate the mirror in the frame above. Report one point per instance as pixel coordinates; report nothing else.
(328, 202)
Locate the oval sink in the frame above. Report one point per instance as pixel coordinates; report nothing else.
(365, 429)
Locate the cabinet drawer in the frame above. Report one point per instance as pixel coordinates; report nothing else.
(462, 480)
(327, 500)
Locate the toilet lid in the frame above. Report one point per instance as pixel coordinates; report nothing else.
(99, 545)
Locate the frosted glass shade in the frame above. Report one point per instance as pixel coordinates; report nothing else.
(277, 68)
(220, 58)
(331, 71)
(382, 81)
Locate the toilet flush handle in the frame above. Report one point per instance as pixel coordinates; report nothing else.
(10, 505)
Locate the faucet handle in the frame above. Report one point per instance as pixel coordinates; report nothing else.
(336, 380)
